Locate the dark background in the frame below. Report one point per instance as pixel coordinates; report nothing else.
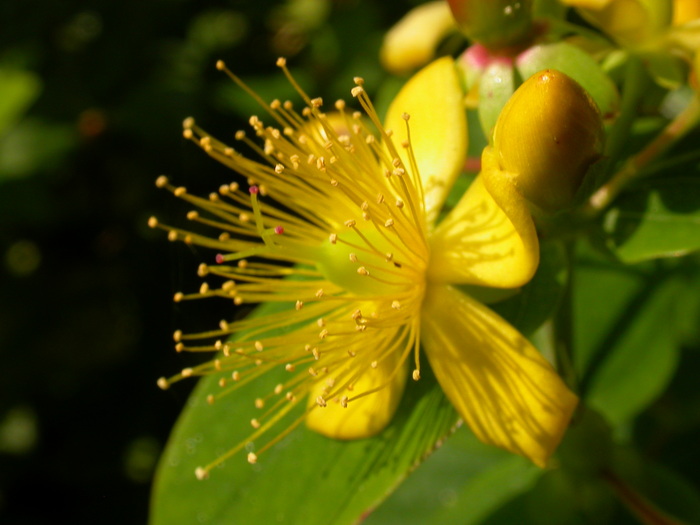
(86, 314)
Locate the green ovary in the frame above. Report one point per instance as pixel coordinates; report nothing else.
(341, 261)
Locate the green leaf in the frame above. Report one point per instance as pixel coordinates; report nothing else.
(577, 64)
(312, 479)
(626, 342)
(557, 497)
(485, 493)
(667, 71)
(32, 145)
(18, 89)
(658, 218)
(461, 483)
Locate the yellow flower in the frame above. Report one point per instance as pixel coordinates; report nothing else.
(646, 25)
(339, 224)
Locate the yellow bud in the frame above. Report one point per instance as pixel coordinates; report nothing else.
(411, 43)
(547, 136)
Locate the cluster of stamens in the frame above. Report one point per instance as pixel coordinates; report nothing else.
(329, 223)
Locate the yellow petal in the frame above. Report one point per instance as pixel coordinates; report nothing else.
(434, 100)
(365, 416)
(630, 22)
(502, 387)
(685, 11)
(485, 240)
(412, 41)
(588, 4)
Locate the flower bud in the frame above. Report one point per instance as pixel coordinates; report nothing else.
(496, 24)
(411, 43)
(547, 136)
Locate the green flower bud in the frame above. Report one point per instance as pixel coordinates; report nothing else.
(496, 24)
(546, 138)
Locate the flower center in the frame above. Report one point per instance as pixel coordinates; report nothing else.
(363, 263)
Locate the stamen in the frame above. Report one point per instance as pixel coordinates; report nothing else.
(270, 243)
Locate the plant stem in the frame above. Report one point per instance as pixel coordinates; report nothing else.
(635, 83)
(676, 129)
(643, 510)
(564, 326)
